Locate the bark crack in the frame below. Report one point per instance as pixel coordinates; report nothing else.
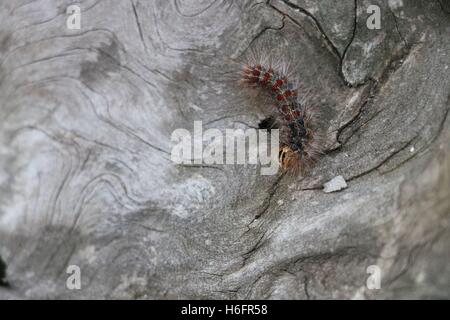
(3, 281)
(344, 54)
(328, 41)
(138, 24)
(316, 23)
(447, 11)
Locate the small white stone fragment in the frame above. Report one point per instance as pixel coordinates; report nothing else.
(412, 149)
(335, 184)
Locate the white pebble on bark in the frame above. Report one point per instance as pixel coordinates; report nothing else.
(335, 184)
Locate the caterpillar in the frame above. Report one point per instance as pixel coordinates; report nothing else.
(300, 141)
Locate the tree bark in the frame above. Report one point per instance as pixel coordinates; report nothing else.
(86, 177)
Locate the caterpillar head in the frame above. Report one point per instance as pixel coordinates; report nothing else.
(289, 160)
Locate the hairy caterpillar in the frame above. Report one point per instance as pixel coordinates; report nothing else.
(300, 142)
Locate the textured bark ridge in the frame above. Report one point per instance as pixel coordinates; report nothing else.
(86, 177)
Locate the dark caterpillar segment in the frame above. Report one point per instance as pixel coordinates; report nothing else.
(266, 77)
(281, 90)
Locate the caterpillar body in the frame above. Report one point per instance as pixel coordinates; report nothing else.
(300, 143)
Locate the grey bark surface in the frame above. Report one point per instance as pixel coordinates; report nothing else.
(85, 138)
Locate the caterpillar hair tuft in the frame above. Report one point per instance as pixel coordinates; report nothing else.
(300, 142)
